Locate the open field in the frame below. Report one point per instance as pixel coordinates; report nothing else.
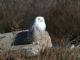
(52, 54)
(62, 20)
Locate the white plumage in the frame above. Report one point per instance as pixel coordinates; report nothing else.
(39, 23)
(39, 34)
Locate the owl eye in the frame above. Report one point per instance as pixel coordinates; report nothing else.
(39, 19)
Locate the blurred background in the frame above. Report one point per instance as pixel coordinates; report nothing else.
(62, 16)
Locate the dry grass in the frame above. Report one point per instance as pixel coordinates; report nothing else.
(62, 19)
(52, 54)
(62, 16)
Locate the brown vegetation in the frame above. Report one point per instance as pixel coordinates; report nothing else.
(52, 54)
(62, 16)
(62, 19)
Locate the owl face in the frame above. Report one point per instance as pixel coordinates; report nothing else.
(39, 19)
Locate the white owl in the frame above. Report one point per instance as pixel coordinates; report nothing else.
(39, 34)
(39, 23)
(37, 27)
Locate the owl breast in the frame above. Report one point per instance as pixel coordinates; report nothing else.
(40, 26)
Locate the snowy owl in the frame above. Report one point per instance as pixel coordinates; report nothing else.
(39, 23)
(36, 29)
(39, 34)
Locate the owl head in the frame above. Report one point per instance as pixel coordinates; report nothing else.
(39, 19)
(39, 23)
